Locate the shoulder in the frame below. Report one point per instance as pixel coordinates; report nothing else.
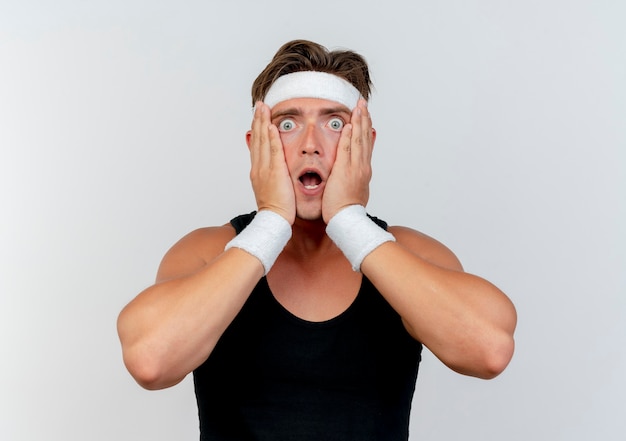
(194, 250)
(426, 247)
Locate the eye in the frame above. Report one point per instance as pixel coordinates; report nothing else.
(286, 125)
(336, 124)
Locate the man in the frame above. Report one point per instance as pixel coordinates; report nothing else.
(305, 319)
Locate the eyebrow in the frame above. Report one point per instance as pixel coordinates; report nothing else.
(297, 111)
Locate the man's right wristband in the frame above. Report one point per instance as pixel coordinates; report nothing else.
(264, 237)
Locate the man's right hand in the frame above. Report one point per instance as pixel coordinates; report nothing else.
(269, 174)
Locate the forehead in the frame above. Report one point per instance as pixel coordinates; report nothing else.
(308, 106)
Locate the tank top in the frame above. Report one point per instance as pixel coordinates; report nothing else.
(275, 377)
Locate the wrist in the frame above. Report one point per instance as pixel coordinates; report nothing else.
(355, 234)
(264, 237)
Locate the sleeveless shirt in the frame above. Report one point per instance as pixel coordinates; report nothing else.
(275, 377)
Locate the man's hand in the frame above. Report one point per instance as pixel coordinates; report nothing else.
(269, 174)
(348, 183)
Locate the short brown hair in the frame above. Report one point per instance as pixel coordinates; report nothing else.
(304, 55)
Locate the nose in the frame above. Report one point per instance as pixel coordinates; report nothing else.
(311, 144)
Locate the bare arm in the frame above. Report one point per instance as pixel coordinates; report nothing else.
(466, 321)
(170, 328)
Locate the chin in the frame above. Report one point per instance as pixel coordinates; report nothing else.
(309, 214)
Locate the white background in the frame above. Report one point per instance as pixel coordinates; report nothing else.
(501, 132)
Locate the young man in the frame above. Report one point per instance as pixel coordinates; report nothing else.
(305, 319)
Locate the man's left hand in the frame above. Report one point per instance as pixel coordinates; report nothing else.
(348, 183)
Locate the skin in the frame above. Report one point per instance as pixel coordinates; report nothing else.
(171, 327)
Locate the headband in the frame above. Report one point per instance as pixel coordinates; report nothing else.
(311, 84)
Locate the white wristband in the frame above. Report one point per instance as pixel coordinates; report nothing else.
(356, 234)
(264, 237)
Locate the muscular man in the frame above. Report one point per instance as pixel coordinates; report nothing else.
(305, 319)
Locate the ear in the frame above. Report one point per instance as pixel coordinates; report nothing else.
(248, 136)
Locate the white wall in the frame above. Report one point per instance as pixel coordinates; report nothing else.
(501, 132)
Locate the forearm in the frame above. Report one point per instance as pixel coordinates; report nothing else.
(464, 320)
(172, 327)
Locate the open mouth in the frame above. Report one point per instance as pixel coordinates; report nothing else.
(310, 180)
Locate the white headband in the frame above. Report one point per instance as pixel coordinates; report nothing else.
(310, 84)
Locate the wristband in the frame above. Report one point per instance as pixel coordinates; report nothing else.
(264, 237)
(355, 234)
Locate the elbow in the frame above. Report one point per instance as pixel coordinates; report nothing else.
(144, 364)
(485, 361)
(499, 348)
(496, 357)
(147, 372)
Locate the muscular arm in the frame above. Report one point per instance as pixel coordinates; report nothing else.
(170, 328)
(464, 320)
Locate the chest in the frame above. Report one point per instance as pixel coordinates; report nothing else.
(348, 378)
(315, 292)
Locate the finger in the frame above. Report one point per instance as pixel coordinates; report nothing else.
(363, 136)
(368, 131)
(256, 122)
(356, 139)
(259, 148)
(344, 147)
(255, 129)
(276, 151)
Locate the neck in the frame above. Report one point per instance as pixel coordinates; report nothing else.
(309, 238)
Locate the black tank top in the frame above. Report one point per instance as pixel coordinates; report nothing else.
(273, 376)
